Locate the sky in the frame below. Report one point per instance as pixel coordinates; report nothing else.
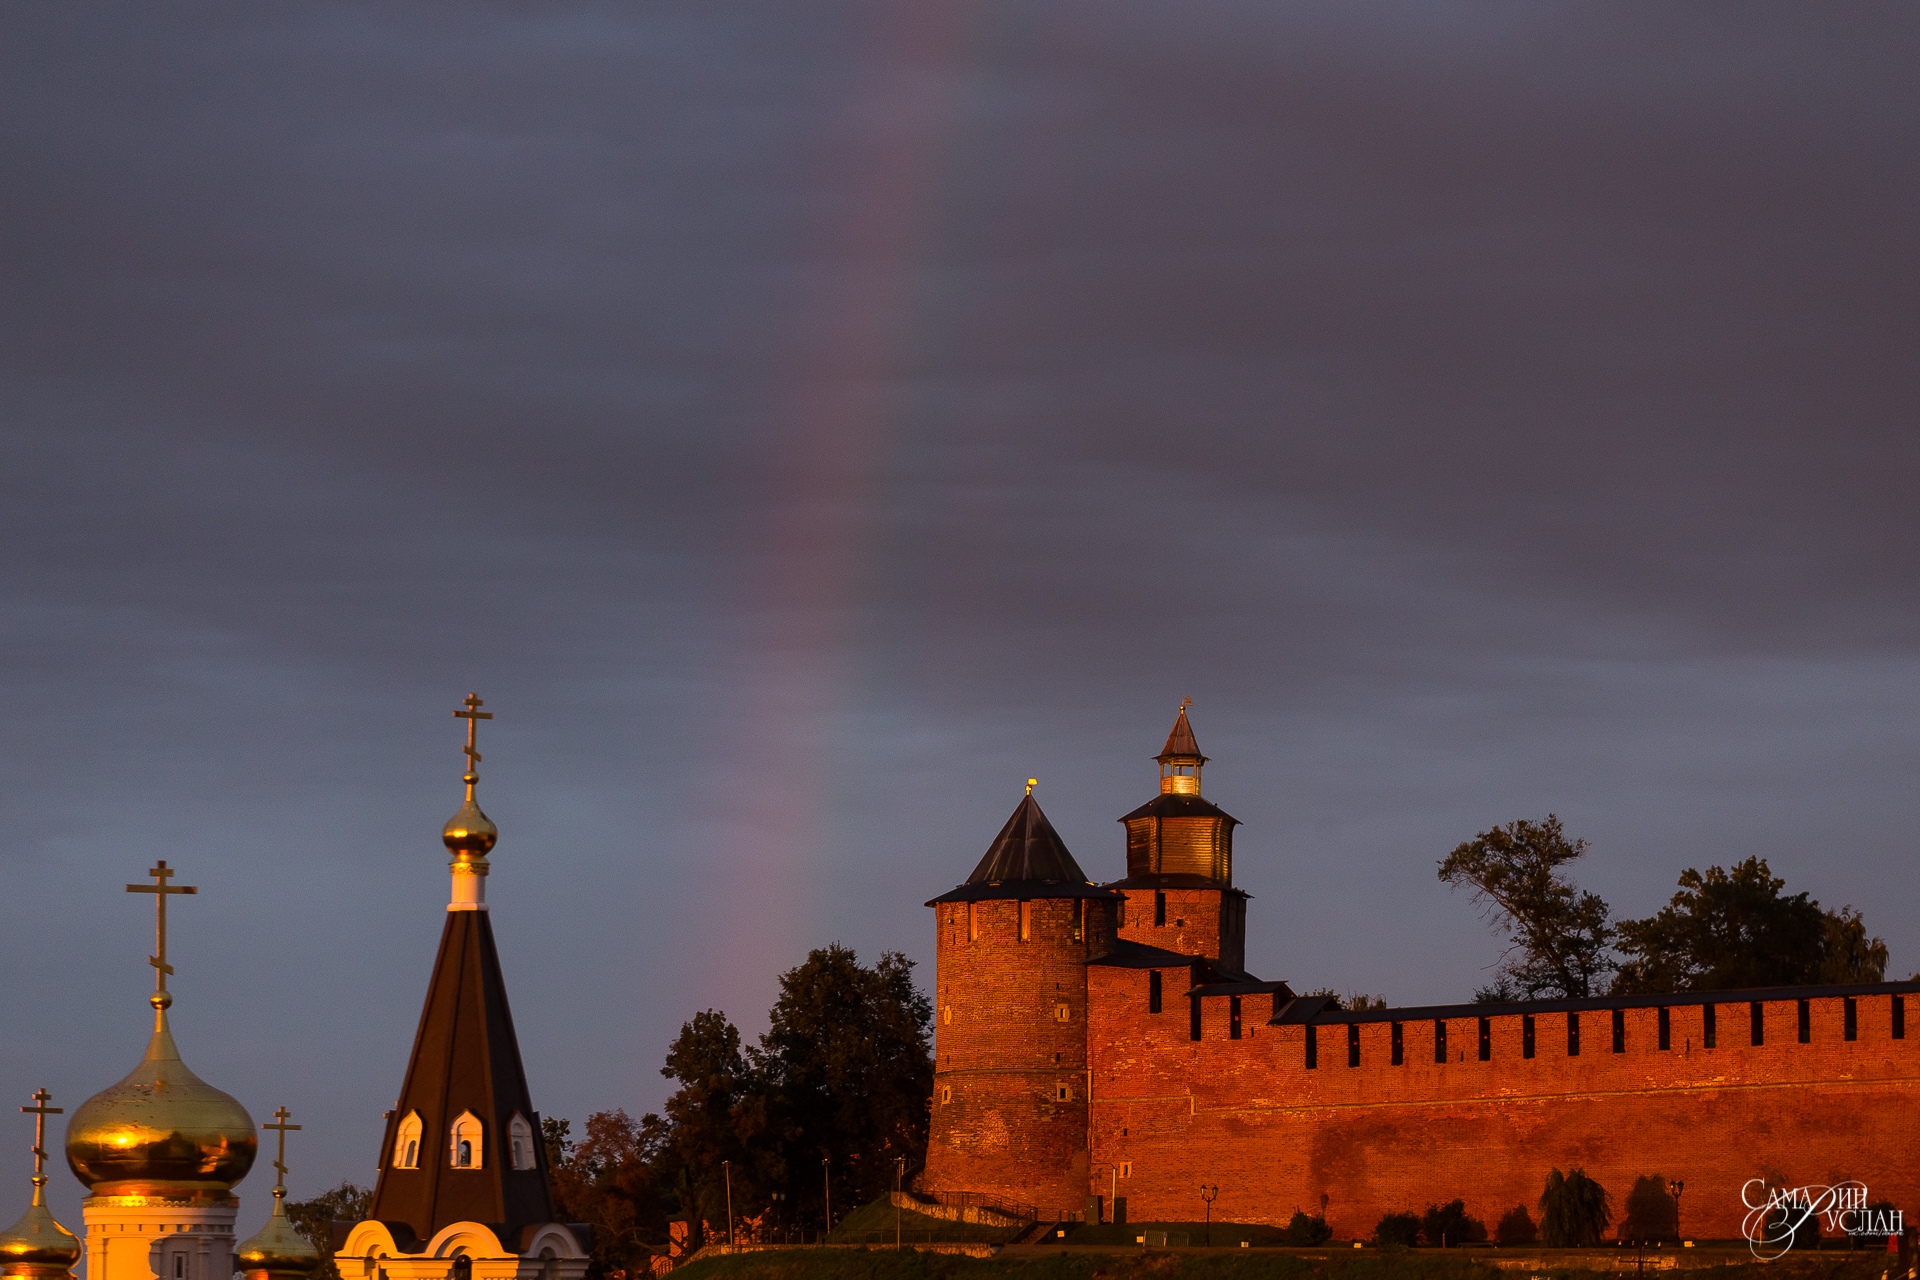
(804, 423)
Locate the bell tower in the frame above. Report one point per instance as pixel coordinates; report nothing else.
(1179, 885)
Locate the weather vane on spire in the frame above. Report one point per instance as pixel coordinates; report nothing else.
(161, 891)
(473, 715)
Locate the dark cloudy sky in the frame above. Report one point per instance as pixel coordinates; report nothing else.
(803, 423)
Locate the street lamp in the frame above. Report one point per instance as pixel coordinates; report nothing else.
(780, 1216)
(1674, 1189)
(899, 1176)
(1209, 1194)
(726, 1169)
(826, 1193)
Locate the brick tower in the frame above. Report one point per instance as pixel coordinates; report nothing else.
(1179, 884)
(1010, 1109)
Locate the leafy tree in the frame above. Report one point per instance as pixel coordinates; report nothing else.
(1559, 935)
(1652, 1216)
(1401, 1230)
(608, 1181)
(1516, 1227)
(848, 1068)
(1573, 1210)
(1735, 928)
(708, 1117)
(1358, 1001)
(1448, 1224)
(314, 1220)
(1305, 1231)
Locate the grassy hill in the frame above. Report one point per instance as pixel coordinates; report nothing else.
(886, 1264)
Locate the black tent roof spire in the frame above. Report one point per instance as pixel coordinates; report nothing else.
(463, 1142)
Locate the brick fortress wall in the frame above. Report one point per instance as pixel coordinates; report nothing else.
(1360, 1141)
(1053, 1080)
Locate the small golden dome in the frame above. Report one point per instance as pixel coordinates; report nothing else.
(470, 834)
(37, 1245)
(162, 1130)
(277, 1247)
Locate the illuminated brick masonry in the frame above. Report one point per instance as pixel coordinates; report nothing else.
(1105, 1040)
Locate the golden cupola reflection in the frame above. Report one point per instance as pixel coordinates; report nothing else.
(37, 1246)
(162, 1131)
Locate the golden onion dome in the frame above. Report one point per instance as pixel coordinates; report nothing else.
(162, 1130)
(277, 1247)
(470, 834)
(37, 1245)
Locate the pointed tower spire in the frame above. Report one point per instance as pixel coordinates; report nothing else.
(38, 1247)
(463, 1142)
(1180, 760)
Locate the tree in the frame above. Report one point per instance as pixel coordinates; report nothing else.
(848, 1058)
(607, 1180)
(1652, 1215)
(1444, 1225)
(717, 1105)
(1559, 935)
(848, 1069)
(1358, 1001)
(1516, 1227)
(1400, 1230)
(314, 1220)
(1304, 1231)
(1727, 929)
(1573, 1210)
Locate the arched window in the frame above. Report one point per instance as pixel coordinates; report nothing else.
(406, 1147)
(464, 1141)
(520, 1141)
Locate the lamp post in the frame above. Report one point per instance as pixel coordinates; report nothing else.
(899, 1176)
(1209, 1194)
(826, 1194)
(726, 1169)
(780, 1216)
(1674, 1189)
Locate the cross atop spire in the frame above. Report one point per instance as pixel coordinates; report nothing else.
(279, 1123)
(161, 890)
(40, 1111)
(473, 715)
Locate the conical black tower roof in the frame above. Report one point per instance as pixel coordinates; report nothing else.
(465, 1059)
(1028, 859)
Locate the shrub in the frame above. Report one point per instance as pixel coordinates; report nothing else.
(1573, 1210)
(1305, 1231)
(1652, 1215)
(1448, 1224)
(1516, 1227)
(1878, 1211)
(1401, 1230)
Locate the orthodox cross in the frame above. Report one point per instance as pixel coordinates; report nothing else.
(40, 1111)
(160, 889)
(473, 715)
(280, 1160)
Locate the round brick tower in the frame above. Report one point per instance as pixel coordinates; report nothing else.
(1179, 883)
(1010, 1020)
